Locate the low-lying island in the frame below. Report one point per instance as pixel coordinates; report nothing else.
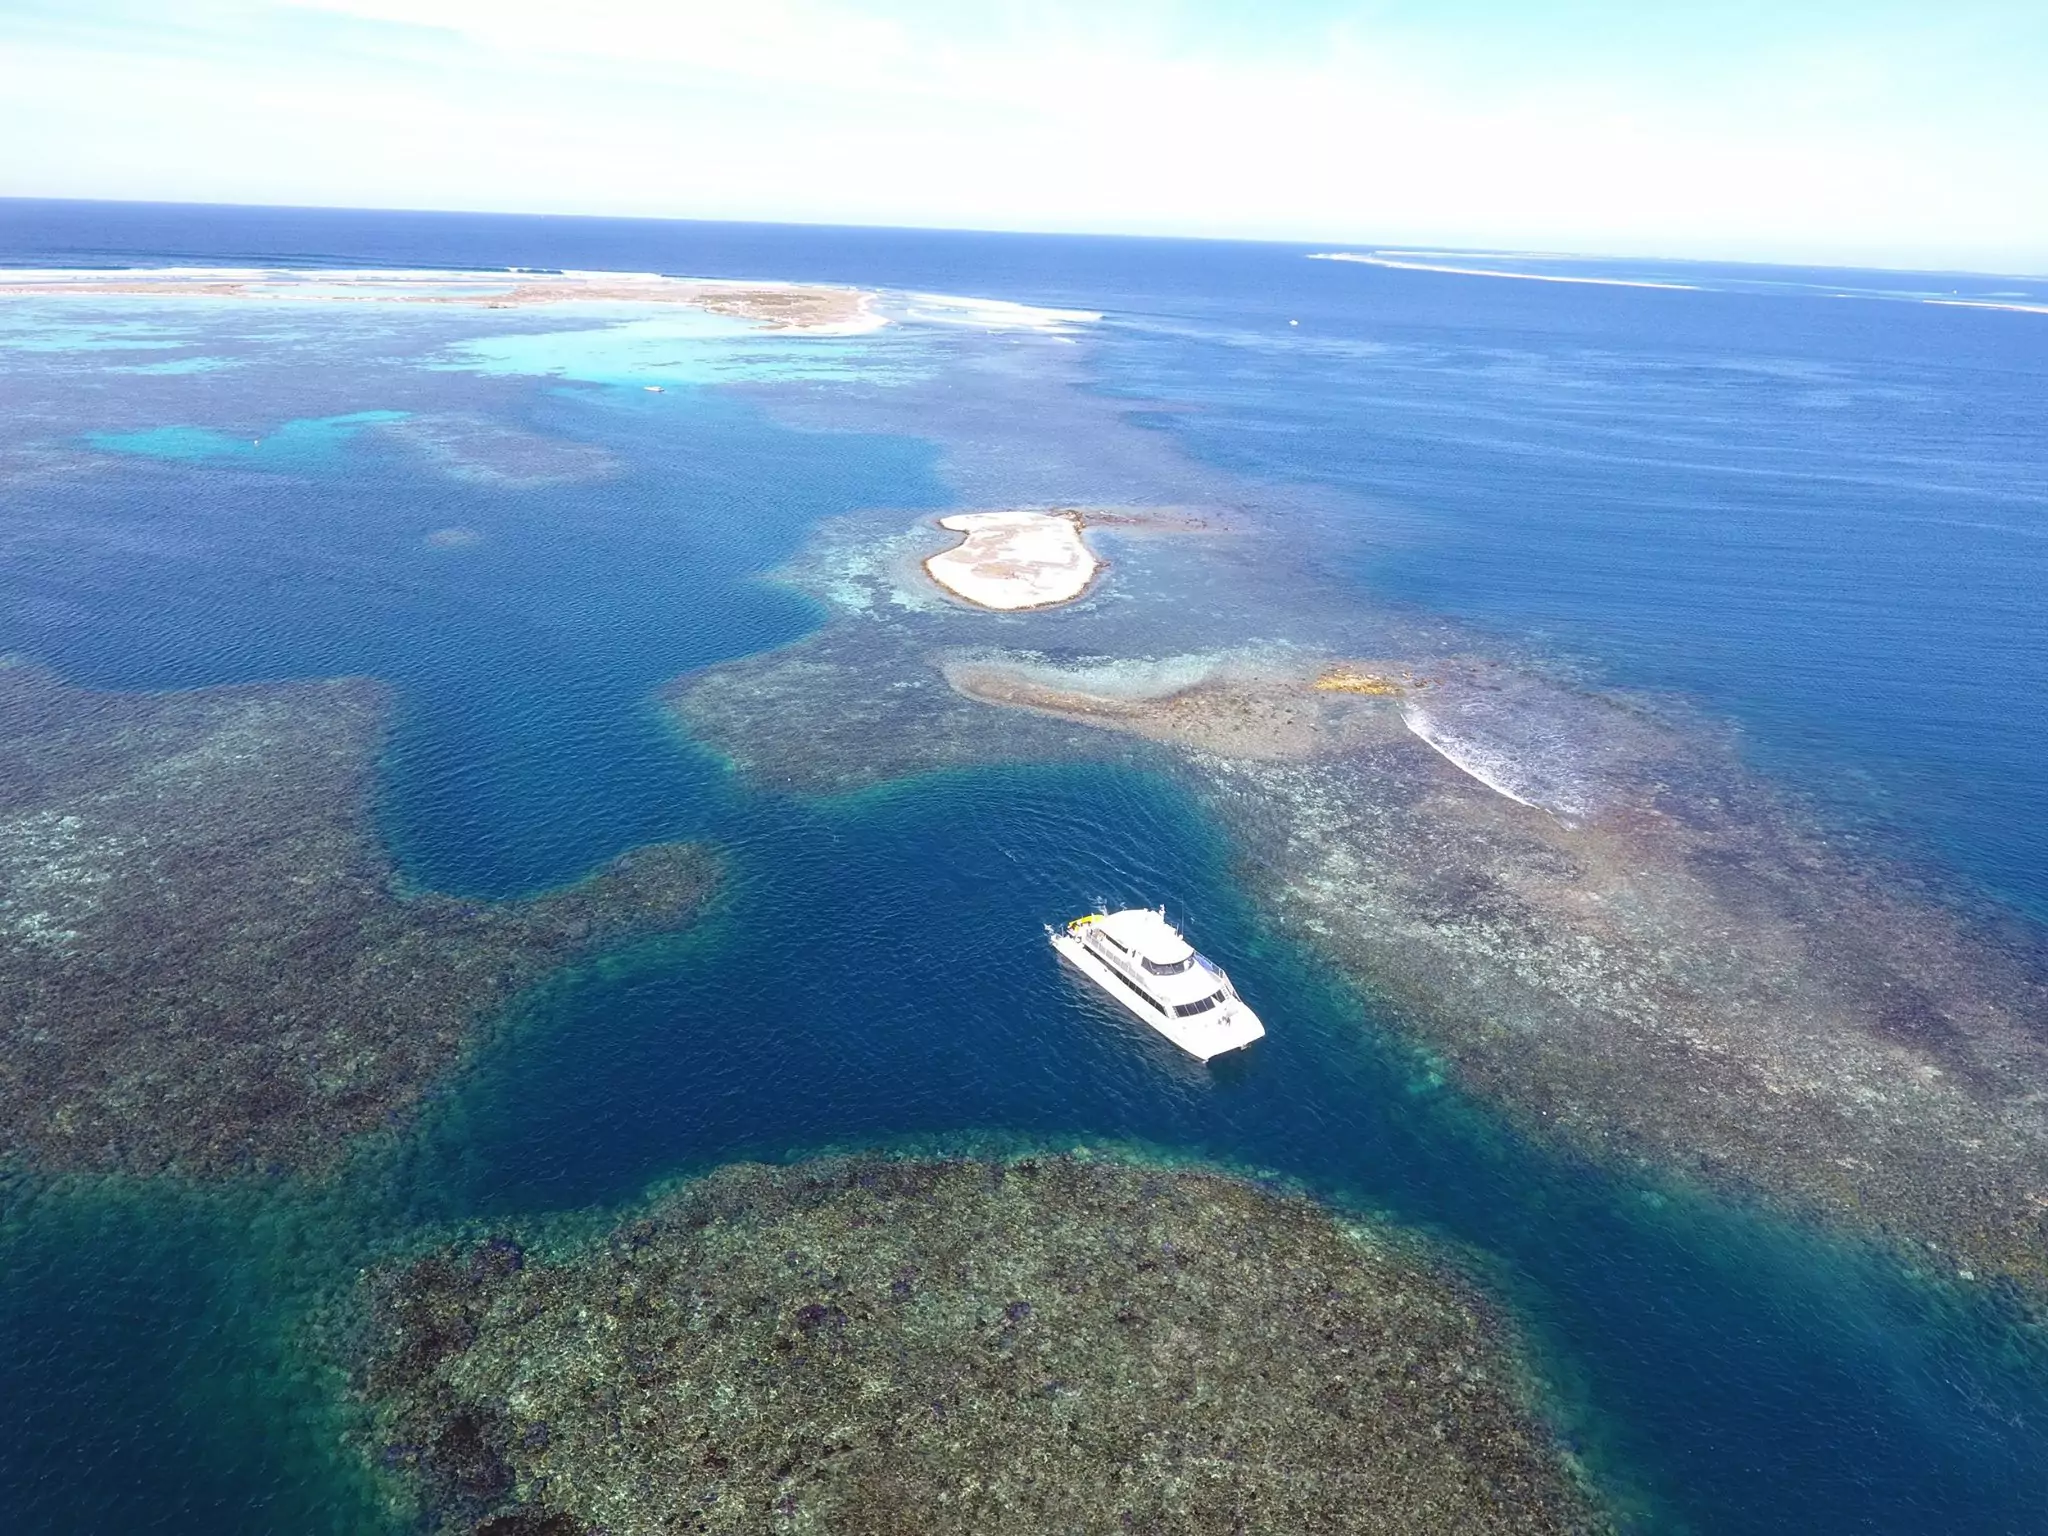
(1011, 561)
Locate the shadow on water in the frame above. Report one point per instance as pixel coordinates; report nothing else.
(880, 973)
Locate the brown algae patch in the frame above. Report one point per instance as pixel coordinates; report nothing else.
(870, 1346)
(206, 965)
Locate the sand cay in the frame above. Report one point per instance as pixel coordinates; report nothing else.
(809, 307)
(883, 1348)
(206, 965)
(1011, 561)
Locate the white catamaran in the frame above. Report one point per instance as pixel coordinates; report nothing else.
(1140, 959)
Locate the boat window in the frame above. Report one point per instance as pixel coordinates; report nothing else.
(1174, 969)
(1142, 994)
(1199, 1005)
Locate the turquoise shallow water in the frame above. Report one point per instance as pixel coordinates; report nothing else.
(296, 443)
(877, 973)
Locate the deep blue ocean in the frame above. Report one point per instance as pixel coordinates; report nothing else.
(1811, 505)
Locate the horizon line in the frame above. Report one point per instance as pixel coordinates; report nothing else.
(1496, 251)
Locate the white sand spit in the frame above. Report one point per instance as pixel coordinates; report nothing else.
(1015, 560)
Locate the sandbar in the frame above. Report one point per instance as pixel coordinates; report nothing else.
(1012, 561)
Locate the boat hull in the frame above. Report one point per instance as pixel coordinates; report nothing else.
(1203, 1037)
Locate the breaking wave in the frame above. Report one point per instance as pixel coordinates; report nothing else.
(1536, 741)
(1495, 765)
(984, 314)
(1529, 277)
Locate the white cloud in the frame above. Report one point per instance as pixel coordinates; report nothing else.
(1046, 115)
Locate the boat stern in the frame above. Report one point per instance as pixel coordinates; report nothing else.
(1233, 1032)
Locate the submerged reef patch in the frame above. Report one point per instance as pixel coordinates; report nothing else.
(872, 1346)
(811, 719)
(206, 965)
(483, 452)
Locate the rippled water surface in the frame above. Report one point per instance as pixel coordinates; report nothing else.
(1822, 519)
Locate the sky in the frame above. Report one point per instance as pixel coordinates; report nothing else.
(1856, 131)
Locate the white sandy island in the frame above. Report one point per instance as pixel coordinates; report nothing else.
(1010, 561)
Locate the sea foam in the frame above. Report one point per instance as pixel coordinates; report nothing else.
(1527, 277)
(985, 314)
(1492, 764)
(1537, 741)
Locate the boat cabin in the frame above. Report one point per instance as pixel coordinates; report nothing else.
(1143, 951)
(1138, 958)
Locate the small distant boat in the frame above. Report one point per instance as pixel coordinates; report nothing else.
(1140, 959)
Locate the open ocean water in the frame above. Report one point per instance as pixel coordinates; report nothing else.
(1813, 505)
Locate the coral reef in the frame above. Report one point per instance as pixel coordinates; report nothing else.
(831, 715)
(207, 966)
(868, 1346)
(1670, 974)
(1604, 926)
